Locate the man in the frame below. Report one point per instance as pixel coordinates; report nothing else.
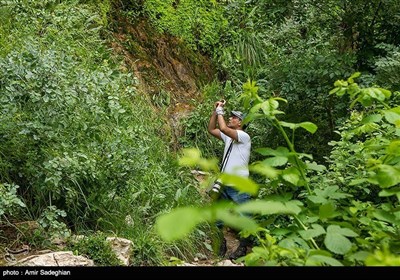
(236, 162)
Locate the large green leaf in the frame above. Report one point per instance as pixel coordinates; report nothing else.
(337, 243)
(317, 199)
(316, 260)
(372, 119)
(240, 183)
(286, 124)
(178, 223)
(315, 231)
(389, 192)
(394, 148)
(265, 207)
(386, 216)
(327, 210)
(192, 157)
(392, 117)
(386, 176)
(291, 175)
(336, 240)
(314, 166)
(239, 222)
(280, 151)
(264, 169)
(276, 161)
(309, 126)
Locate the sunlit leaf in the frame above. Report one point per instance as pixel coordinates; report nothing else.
(267, 207)
(309, 126)
(280, 151)
(392, 117)
(286, 124)
(178, 223)
(239, 222)
(263, 169)
(291, 175)
(336, 241)
(275, 161)
(394, 147)
(315, 231)
(386, 216)
(327, 210)
(372, 118)
(316, 260)
(353, 76)
(315, 166)
(240, 183)
(191, 157)
(386, 176)
(389, 192)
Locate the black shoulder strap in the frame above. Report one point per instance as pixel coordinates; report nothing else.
(225, 160)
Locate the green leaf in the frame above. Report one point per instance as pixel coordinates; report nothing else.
(291, 175)
(309, 126)
(352, 77)
(178, 223)
(334, 90)
(359, 256)
(394, 148)
(264, 169)
(239, 222)
(385, 92)
(344, 231)
(355, 182)
(340, 83)
(280, 151)
(386, 176)
(316, 230)
(190, 157)
(389, 192)
(336, 240)
(385, 216)
(240, 183)
(327, 210)
(376, 94)
(392, 117)
(372, 119)
(265, 207)
(314, 166)
(286, 124)
(315, 260)
(317, 199)
(276, 161)
(337, 243)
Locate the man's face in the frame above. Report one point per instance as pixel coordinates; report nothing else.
(234, 122)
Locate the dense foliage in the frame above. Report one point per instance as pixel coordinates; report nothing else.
(83, 150)
(78, 145)
(305, 213)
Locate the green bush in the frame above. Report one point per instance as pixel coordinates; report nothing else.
(96, 248)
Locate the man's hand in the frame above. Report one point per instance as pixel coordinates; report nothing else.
(220, 103)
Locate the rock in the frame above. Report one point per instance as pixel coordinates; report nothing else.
(122, 248)
(66, 258)
(228, 263)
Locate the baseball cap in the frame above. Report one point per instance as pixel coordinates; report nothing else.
(238, 114)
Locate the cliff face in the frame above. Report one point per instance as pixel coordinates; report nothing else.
(161, 62)
(169, 73)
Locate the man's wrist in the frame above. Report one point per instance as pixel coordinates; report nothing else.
(219, 111)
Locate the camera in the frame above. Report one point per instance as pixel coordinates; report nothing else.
(215, 190)
(223, 101)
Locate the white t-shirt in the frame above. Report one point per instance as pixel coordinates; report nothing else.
(238, 160)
